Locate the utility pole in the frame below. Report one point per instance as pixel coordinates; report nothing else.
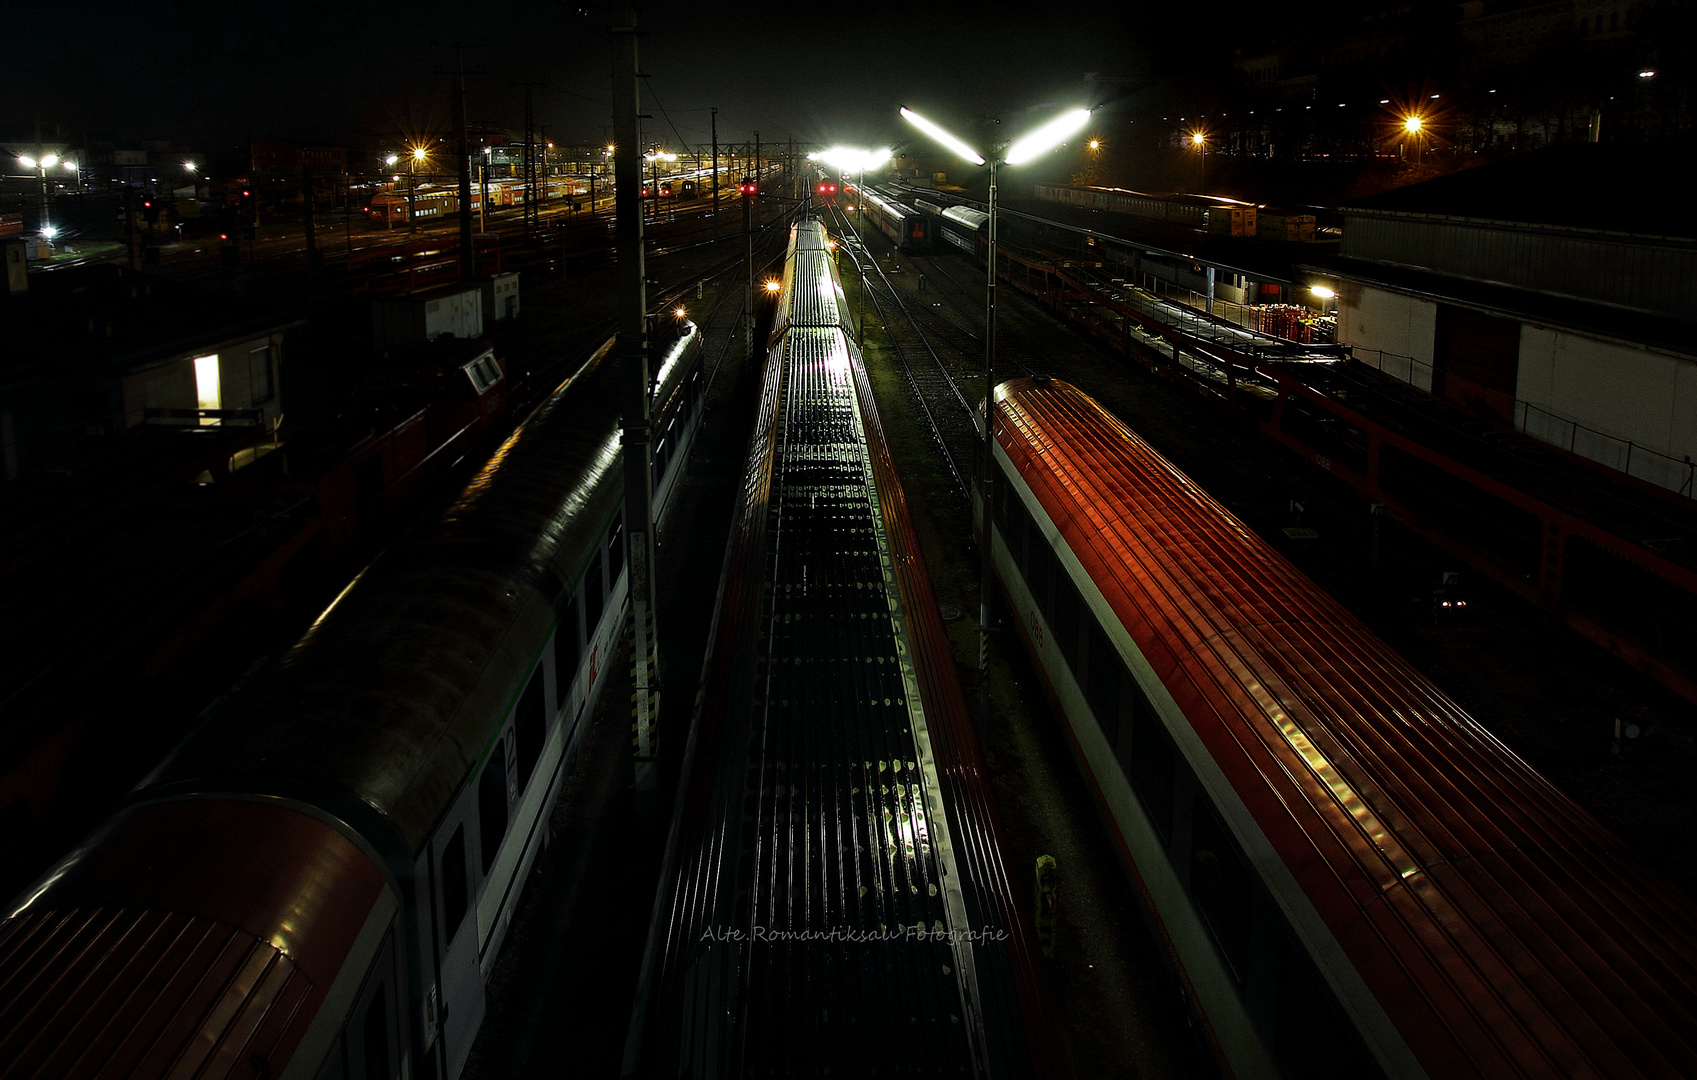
(468, 264)
(311, 232)
(714, 119)
(532, 210)
(635, 441)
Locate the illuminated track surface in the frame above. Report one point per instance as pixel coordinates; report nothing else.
(833, 897)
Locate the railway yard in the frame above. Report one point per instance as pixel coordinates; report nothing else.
(1611, 738)
(1548, 694)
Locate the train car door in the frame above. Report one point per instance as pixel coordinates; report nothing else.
(455, 882)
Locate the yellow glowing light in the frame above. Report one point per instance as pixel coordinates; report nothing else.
(1198, 138)
(773, 286)
(1412, 125)
(1323, 292)
(680, 312)
(1095, 144)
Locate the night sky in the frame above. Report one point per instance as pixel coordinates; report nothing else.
(339, 70)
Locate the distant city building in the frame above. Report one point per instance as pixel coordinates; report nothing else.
(279, 166)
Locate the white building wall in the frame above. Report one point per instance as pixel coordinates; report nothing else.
(1609, 402)
(1392, 332)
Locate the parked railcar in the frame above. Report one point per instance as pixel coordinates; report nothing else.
(1353, 877)
(965, 229)
(909, 229)
(318, 881)
(833, 899)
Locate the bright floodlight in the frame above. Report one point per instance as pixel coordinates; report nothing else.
(49, 161)
(1198, 138)
(1047, 137)
(390, 160)
(1323, 292)
(851, 160)
(418, 153)
(943, 137)
(1411, 125)
(26, 161)
(48, 232)
(188, 166)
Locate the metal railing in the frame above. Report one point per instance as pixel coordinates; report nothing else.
(1651, 466)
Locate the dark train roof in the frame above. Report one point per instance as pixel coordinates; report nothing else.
(381, 699)
(1608, 186)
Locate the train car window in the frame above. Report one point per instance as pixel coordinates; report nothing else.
(1132, 702)
(589, 594)
(1310, 1037)
(616, 548)
(375, 1031)
(568, 650)
(1041, 578)
(530, 727)
(454, 892)
(1102, 680)
(1152, 764)
(1066, 617)
(1220, 884)
(492, 804)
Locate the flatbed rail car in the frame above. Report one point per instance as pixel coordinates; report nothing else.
(908, 228)
(318, 881)
(1610, 555)
(1353, 878)
(833, 899)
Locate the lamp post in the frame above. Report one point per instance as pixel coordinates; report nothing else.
(418, 155)
(41, 165)
(1411, 127)
(1200, 141)
(1040, 141)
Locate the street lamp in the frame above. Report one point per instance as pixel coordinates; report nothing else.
(1411, 126)
(418, 155)
(1200, 141)
(42, 164)
(1040, 141)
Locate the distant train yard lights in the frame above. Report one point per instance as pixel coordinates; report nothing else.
(1041, 141)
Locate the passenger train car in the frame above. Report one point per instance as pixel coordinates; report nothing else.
(317, 881)
(1353, 877)
(960, 227)
(908, 229)
(1178, 208)
(833, 899)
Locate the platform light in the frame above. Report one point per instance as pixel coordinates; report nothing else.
(942, 136)
(1040, 141)
(1323, 292)
(1047, 137)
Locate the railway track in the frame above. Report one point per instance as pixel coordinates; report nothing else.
(942, 365)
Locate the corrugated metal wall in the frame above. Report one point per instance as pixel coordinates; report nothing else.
(1638, 274)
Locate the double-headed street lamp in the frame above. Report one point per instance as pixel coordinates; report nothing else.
(1041, 141)
(42, 164)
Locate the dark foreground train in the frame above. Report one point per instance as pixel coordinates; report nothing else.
(317, 882)
(833, 899)
(1354, 879)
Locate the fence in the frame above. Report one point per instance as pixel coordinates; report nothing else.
(1651, 466)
